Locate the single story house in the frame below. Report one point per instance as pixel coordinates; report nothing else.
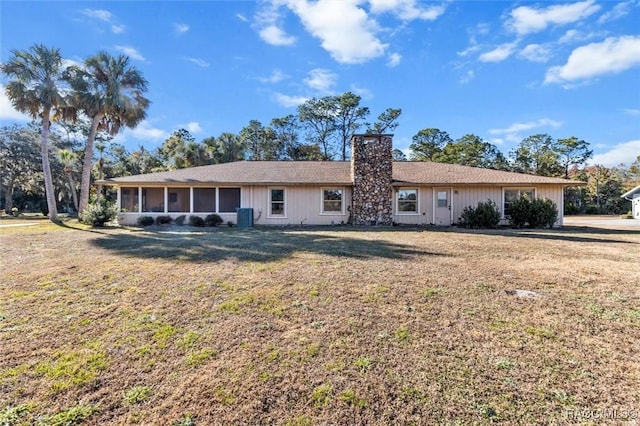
(634, 196)
(369, 189)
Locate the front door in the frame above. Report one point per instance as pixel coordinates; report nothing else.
(442, 206)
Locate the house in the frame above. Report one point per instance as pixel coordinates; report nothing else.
(634, 197)
(369, 189)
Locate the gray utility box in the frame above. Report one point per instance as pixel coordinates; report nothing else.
(244, 217)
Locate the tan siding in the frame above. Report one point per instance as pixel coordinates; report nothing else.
(554, 193)
(425, 208)
(470, 196)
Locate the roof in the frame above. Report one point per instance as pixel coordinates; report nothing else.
(333, 173)
(631, 193)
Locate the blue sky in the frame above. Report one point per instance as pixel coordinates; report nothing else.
(499, 69)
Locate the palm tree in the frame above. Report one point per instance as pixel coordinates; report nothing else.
(69, 160)
(110, 92)
(36, 87)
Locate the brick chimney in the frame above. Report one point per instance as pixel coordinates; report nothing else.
(371, 173)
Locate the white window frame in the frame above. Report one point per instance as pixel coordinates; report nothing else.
(417, 201)
(520, 190)
(284, 202)
(342, 201)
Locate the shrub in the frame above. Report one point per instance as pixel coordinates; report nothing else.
(196, 221)
(163, 220)
(537, 213)
(180, 220)
(213, 220)
(485, 215)
(145, 221)
(99, 213)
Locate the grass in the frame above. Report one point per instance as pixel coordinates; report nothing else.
(316, 326)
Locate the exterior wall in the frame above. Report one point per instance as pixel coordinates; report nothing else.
(371, 172)
(424, 216)
(635, 206)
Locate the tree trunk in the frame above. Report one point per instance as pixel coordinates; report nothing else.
(8, 198)
(46, 166)
(74, 193)
(87, 164)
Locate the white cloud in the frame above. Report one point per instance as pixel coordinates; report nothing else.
(146, 131)
(275, 77)
(615, 54)
(103, 15)
(362, 92)
(180, 28)
(619, 10)
(288, 101)
(513, 132)
(631, 111)
(132, 52)
(7, 112)
(467, 77)
(276, 36)
(321, 80)
(407, 10)
(117, 29)
(344, 29)
(242, 17)
(199, 62)
(192, 127)
(526, 20)
(394, 60)
(500, 53)
(535, 53)
(622, 153)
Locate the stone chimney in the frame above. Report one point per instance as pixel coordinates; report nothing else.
(371, 173)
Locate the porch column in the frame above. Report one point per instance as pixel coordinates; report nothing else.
(166, 199)
(191, 199)
(139, 199)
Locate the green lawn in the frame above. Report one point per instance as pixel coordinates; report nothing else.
(317, 326)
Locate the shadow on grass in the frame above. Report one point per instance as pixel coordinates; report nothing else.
(567, 233)
(252, 245)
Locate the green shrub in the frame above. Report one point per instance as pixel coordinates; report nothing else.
(145, 221)
(537, 213)
(213, 220)
(180, 220)
(196, 221)
(485, 215)
(99, 213)
(163, 220)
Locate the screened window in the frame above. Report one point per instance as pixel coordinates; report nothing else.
(179, 200)
(153, 200)
(229, 199)
(276, 202)
(129, 200)
(204, 200)
(407, 201)
(511, 195)
(332, 200)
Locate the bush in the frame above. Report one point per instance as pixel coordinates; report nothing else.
(163, 220)
(213, 220)
(196, 221)
(538, 213)
(99, 213)
(145, 221)
(485, 215)
(180, 220)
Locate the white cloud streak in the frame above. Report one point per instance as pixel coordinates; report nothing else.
(7, 112)
(199, 62)
(180, 28)
(288, 101)
(131, 52)
(513, 133)
(500, 53)
(394, 60)
(527, 20)
(103, 15)
(407, 10)
(321, 80)
(613, 55)
(535, 53)
(624, 153)
(275, 36)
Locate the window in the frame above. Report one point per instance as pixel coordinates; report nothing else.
(332, 200)
(229, 199)
(179, 200)
(442, 199)
(276, 202)
(204, 200)
(153, 200)
(407, 201)
(515, 194)
(129, 200)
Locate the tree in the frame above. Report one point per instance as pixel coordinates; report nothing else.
(317, 117)
(428, 144)
(572, 152)
(111, 93)
(398, 155)
(387, 121)
(174, 150)
(471, 150)
(36, 87)
(19, 159)
(285, 133)
(70, 159)
(537, 155)
(259, 141)
(348, 119)
(225, 148)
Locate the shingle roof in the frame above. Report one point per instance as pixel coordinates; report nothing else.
(333, 173)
